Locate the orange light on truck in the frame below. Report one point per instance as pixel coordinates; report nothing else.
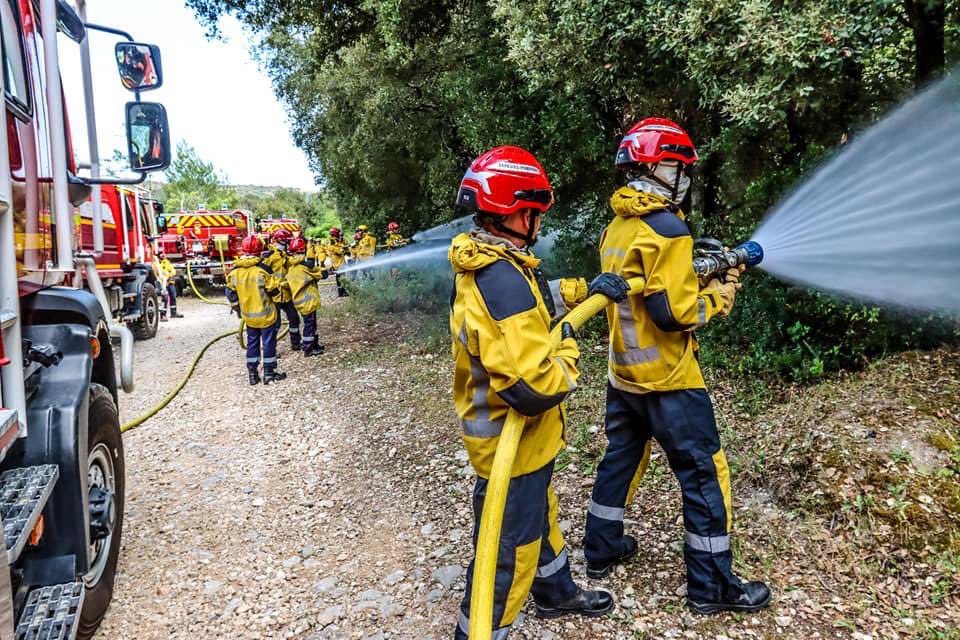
(95, 347)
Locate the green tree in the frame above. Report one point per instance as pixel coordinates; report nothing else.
(191, 181)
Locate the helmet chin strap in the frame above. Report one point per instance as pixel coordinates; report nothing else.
(529, 238)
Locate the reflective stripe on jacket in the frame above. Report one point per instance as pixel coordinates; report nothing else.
(504, 356)
(253, 285)
(303, 284)
(652, 347)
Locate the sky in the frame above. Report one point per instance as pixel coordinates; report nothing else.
(216, 96)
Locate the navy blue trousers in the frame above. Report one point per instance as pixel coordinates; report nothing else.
(309, 330)
(293, 322)
(170, 299)
(532, 557)
(269, 338)
(682, 422)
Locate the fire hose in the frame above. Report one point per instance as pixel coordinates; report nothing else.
(710, 259)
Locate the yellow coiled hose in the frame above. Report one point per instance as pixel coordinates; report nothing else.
(491, 520)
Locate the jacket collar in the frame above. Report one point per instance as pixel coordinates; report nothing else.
(477, 248)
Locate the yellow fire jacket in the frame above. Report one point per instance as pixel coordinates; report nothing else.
(277, 263)
(303, 284)
(337, 251)
(164, 269)
(365, 248)
(652, 346)
(503, 355)
(317, 252)
(395, 240)
(252, 286)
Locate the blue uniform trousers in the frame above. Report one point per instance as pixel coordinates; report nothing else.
(293, 322)
(682, 422)
(269, 338)
(532, 557)
(309, 330)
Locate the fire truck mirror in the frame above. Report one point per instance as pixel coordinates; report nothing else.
(69, 23)
(148, 136)
(162, 224)
(139, 66)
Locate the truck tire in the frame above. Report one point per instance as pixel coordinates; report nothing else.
(105, 470)
(146, 327)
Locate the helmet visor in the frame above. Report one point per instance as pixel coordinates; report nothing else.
(538, 196)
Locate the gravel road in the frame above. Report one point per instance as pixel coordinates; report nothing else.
(335, 504)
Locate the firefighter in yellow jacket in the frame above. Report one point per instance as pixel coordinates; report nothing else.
(336, 249)
(655, 389)
(504, 358)
(302, 275)
(250, 290)
(395, 239)
(276, 260)
(365, 246)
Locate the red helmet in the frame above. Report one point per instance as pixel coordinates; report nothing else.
(334, 231)
(252, 245)
(393, 226)
(505, 180)
(297, 245)
(281, 235)
(653, 140)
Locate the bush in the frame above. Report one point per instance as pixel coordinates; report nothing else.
(398, 290)
(778, 331)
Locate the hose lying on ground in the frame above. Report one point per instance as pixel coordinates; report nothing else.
(180, 385)
(491, 519)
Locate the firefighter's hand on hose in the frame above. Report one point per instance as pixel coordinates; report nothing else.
(610, 285)
(235, 308)
(733, 275)
(727, 292)
(567, 331)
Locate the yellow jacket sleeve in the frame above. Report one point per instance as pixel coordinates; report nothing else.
(672, 294)
(513, 339)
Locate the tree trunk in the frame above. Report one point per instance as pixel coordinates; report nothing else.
(926, 19)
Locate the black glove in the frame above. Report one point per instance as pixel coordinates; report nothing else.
(567, 331)
(235, 308)
(610, 285)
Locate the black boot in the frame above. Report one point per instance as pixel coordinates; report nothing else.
(314, 350)
(586, 603)
(745, 597)
(602, 569)
(273, 376)
(254, 377)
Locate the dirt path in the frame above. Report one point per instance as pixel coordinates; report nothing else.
(336, 505)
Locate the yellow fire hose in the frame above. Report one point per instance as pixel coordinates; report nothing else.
(491, 520)
(180, 385)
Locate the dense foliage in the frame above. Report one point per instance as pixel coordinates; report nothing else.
(391, 99)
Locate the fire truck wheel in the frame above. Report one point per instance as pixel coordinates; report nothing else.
(105, 479)
(146, 327)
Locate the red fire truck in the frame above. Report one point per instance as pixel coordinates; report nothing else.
(124, 265)
(205, 241)
(269, 225)
(61, 453)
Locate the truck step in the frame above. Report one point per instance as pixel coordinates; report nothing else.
(23, 494)
(51, 613)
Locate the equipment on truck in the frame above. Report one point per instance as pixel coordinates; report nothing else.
(61, 453)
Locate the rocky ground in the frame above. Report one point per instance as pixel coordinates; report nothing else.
(336, 504)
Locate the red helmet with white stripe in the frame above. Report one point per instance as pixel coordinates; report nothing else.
(281, 235)
(393, 226)
(505, 180)
(654, 140)
(297, 245)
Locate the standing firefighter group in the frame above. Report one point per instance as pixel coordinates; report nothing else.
(501, 314)
(270, 282)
